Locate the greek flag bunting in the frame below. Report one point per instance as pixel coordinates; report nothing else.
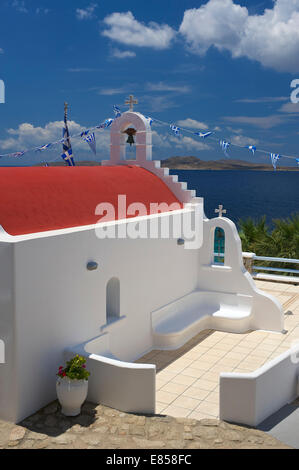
(91, 141)
(274, 159)
(117, 111)
(224, 145)
(203, 135)
(252, 148)
(176, 130)
(18, 154)
(43, 147)
(150, 120)
(67, 146)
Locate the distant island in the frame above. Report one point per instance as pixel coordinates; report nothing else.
(194, 163)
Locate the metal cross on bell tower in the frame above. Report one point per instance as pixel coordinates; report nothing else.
(131, 101)
(220, 210)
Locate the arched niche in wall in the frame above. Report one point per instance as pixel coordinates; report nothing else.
(113, 300)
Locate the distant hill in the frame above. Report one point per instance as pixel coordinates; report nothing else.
(194, 163)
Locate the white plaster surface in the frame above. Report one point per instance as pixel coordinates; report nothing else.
(251, 398)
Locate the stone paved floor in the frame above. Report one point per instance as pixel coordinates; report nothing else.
(188, 378)
(99, 427)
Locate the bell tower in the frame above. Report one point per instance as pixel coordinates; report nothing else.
(128, 129)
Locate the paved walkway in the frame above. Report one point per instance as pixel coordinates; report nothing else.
(188, 378)
(99, 427)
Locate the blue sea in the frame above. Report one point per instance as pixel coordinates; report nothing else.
(246, 193)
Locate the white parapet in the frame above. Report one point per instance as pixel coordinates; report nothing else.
(128, 387)
(251, 398)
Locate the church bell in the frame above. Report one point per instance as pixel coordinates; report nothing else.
(131, 132)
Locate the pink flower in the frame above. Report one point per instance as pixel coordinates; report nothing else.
(63, 374)
(84, 366)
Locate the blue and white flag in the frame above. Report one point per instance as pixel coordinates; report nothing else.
(150, 120)
(225, 146)
(176, 130)
(203, 135)
(67, 154)
(108, 123)
(43, 147)
(297, 160)
(117, 111)
(91, 140)
(84, 133)
(18, 154)
(68, 157)
(274, 159)
(252, 148)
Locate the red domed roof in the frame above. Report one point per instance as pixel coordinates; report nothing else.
(39, 199)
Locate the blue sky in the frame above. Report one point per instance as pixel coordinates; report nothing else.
(221, 65)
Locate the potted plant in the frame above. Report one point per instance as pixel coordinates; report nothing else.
(72, 385)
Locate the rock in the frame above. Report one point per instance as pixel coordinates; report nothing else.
(17, 434)
(206, 432)
(210, 422)
(231, 435)
(37, 436)
(188, 436)
(145, 444)
(218, 441)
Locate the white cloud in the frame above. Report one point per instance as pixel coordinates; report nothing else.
(27, 136)
(111, 91)
(266, 99)
(242, 140)
(124, 28)
(165, 87)
(19, 5)
(271, 38)
(87, 13)
(290, 108)
(42, 11)
(1, 50)
(123, 54)
(193, 124)
(188, 143)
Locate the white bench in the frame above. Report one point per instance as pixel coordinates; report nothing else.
(174, 324)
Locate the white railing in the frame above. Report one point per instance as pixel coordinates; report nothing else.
(269, 272)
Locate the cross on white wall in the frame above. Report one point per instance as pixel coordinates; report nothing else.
(131, 101)
(220, 210)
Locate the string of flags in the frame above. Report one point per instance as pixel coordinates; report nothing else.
(176, 130)
(90, 138)
(225, 146)
(274, 159)
(251, 147)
